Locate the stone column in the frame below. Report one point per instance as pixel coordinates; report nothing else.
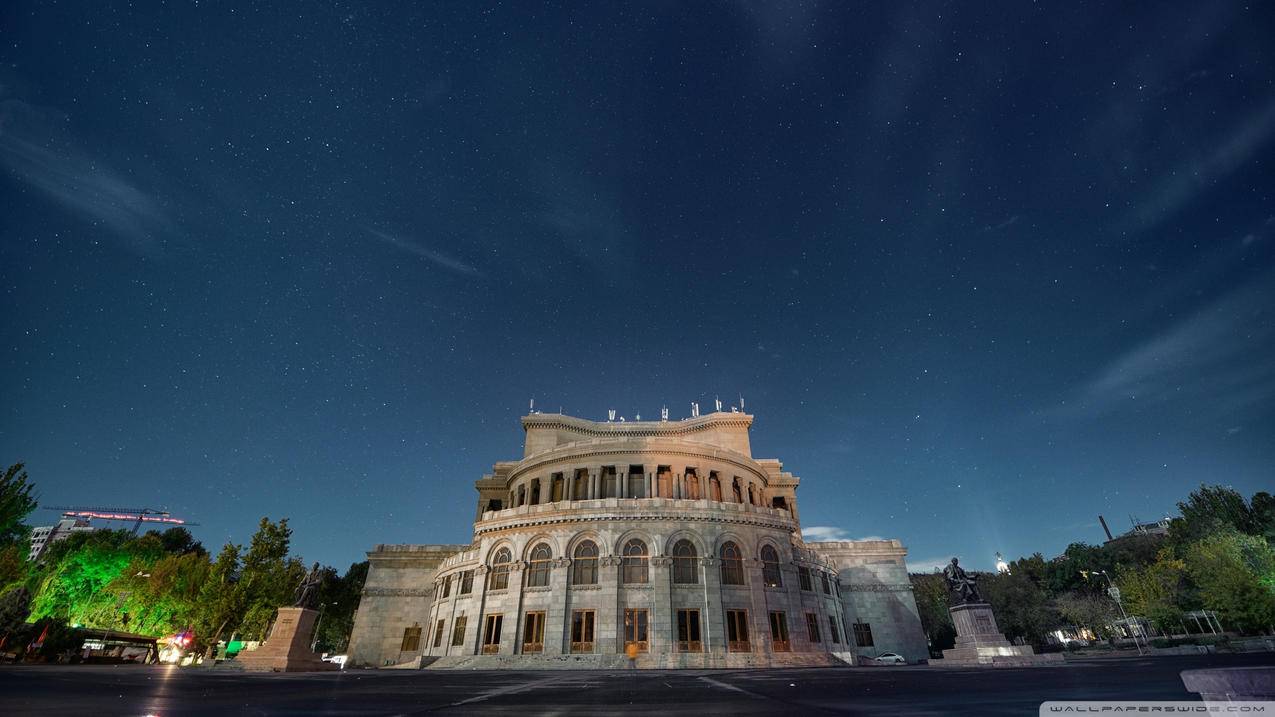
(650, 491)
(556, 615)
(568, 490)
(593, 483)
(758, 613)
(622, 481)
(712, 617)
(661, 625)
(607, 630)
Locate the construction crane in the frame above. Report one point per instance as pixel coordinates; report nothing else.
(136, 515)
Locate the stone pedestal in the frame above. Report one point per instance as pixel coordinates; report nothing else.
(980, 642)
(288, 647)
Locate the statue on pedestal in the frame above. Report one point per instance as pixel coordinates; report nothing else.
(307, 593)
(962, 585)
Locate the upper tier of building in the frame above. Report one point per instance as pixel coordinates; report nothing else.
(547, 431)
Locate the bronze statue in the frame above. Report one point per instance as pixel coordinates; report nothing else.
(963, 586)
(307, 592)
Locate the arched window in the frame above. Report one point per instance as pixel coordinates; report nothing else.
(498, 578)
(633, 569)
(770, 574)
(739, 496)
(715, 488)
(584, 564)
(538, 567)
(732, 565)
(684, 572)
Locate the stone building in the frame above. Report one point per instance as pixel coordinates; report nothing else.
(667, 536)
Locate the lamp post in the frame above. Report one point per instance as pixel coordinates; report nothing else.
(1114, 593)
(319, 621)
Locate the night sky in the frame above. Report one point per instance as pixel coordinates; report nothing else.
(980, 272)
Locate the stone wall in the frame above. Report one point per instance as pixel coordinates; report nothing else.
(876, 590)
(396, 596)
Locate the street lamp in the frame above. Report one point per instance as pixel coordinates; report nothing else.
(319, 621)
(1114, 592)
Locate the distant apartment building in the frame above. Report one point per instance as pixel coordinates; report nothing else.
(46, 535)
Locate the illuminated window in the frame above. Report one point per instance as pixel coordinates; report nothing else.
(498, 578)
(533, 632)
(411, 638)
(582, 630)
(467, 582)
(584, 564)
(447, 586)
(779, 632)
(636, 624)
(458, 631)
(737, 631)
(812, 627)
(538, 567)
(732, 565)
(491, 634)
(688, 639)
(684, 567)
(438, 632)
(770, 574)
(633, 568)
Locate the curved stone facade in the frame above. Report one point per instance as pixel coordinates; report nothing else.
(664, 539)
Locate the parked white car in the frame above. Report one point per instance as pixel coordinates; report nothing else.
(890, 658)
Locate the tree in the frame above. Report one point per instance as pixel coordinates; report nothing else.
(15, 605)
(1236, 577)
(1263, 507)
(16, 503)
(1158, 592)
(1085, 609)
(1021, 606)
(1210, 509)
(931, 593)
(179, 541)
(268, 577)
(220, 603)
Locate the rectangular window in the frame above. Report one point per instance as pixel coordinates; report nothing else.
(491, 634)
(827, 585)
(832, 629)
(737, 631)
(447, 586)
(467, 582)
(438, 632)
(458, 631)
(803, 576)
(779, 632)
(635, 629)
(863, 634)
(582, 630)
(812, 627)
(688, 639)
(533, 632)
(411, 639)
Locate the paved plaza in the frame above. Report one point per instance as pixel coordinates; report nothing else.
(167, 691)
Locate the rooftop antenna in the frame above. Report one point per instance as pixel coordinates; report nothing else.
(694, 409)
(610, 414)
(533, 406)
(718, 401)
(664, 413)
(638, 417)
(741, 401)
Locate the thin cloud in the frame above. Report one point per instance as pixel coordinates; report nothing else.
(817, 533)
(1191, 178)
(1206, 356)
(35, 150)
(437, 258)
(1003, 225)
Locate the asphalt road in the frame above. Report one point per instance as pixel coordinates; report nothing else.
(169, 691)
